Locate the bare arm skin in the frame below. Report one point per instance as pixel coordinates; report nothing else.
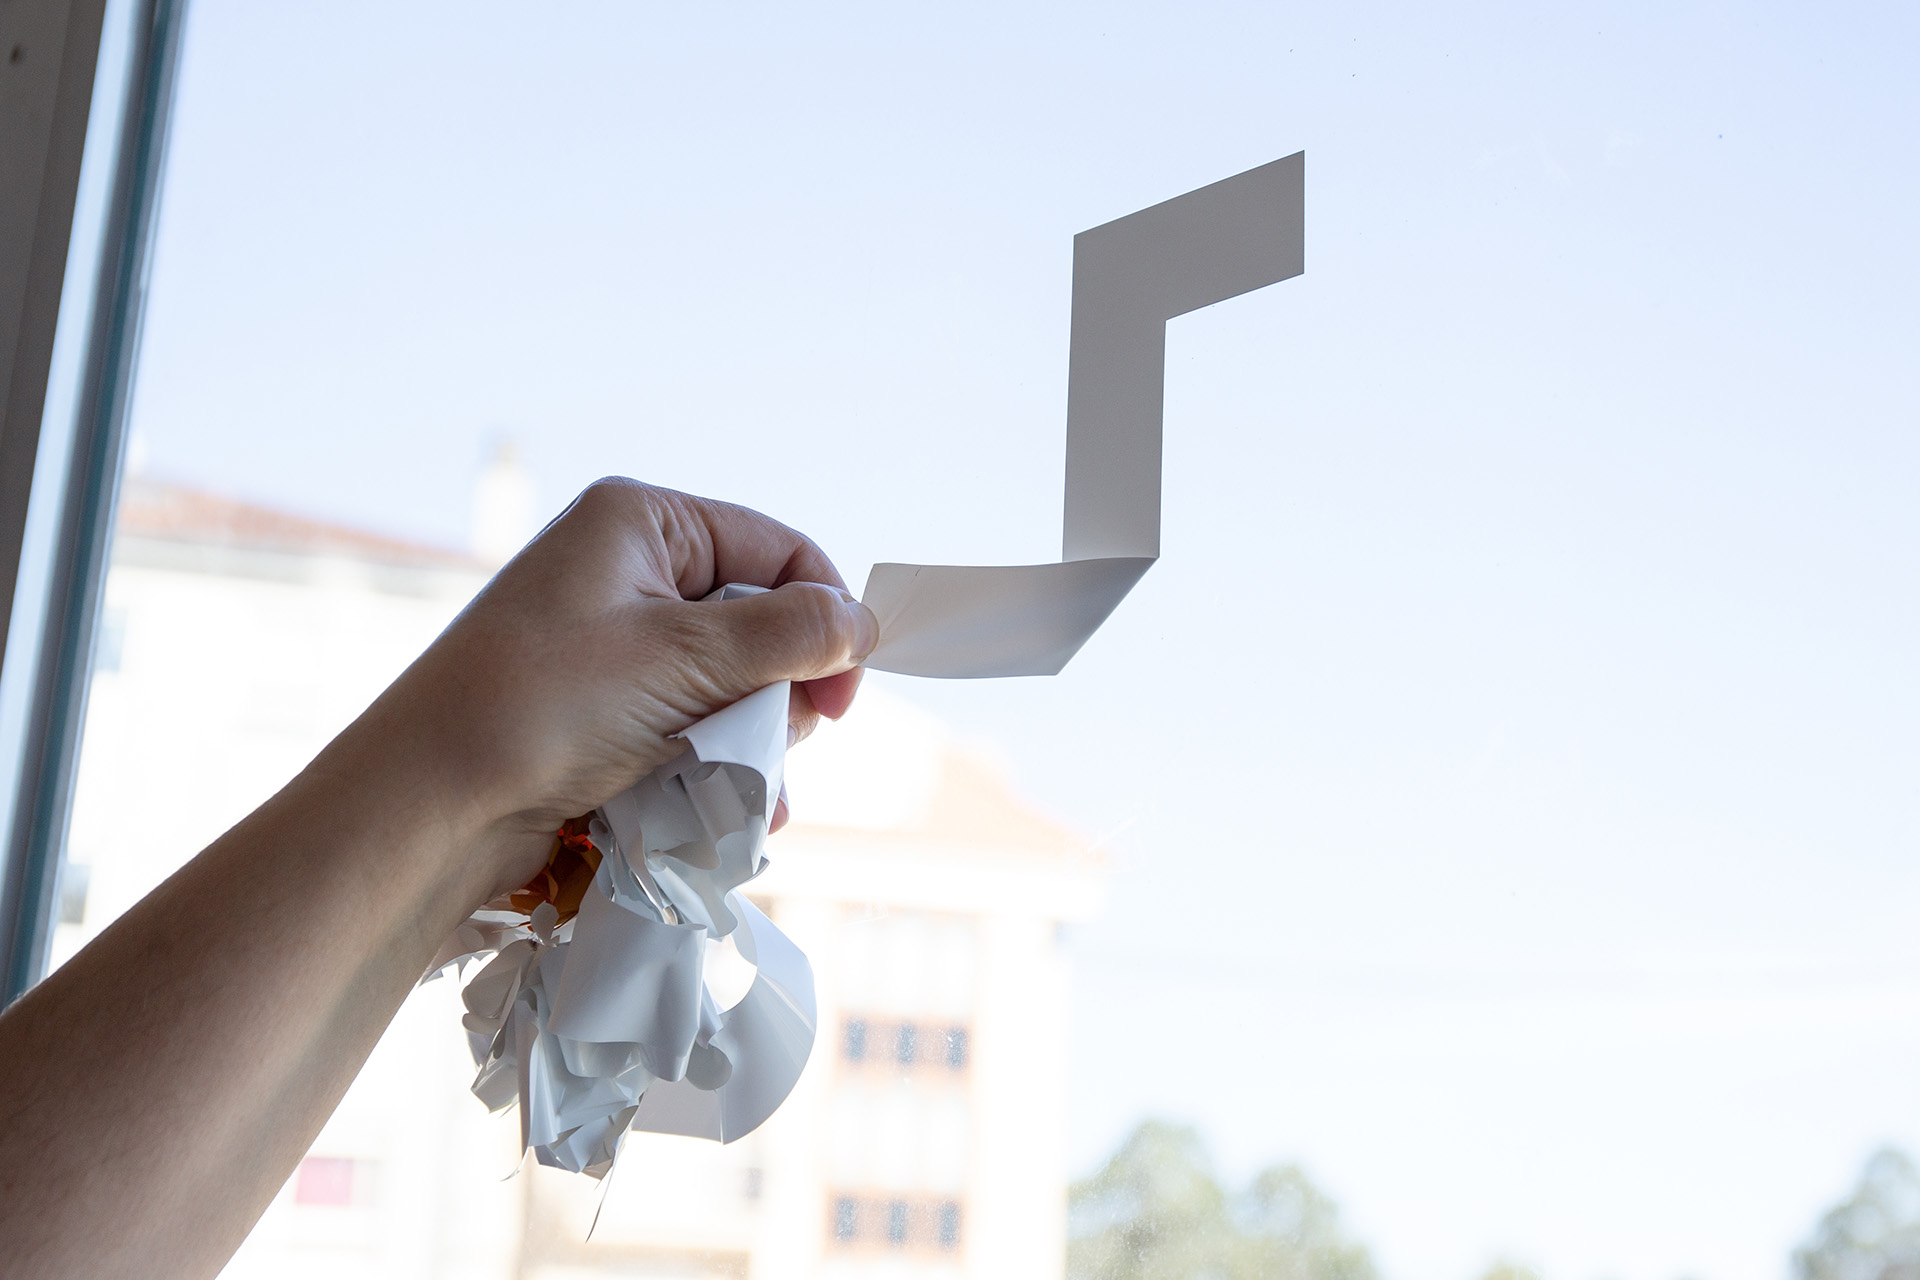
(157, 1091)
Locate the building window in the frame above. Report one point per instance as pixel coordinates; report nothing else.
(882, 1044)
(890, 1223)
(957, 1048)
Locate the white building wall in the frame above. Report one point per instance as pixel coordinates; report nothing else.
(1020, 1202)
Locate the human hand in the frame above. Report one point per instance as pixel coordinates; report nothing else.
(560, 685)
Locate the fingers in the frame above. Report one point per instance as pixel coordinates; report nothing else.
(802, 632)
(781, 811)
(830, 696)
(742, 545)
(688, 545)
(802, 715)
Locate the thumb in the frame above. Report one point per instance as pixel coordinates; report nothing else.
(801, 631)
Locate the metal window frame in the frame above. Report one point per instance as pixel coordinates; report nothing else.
(58, 667)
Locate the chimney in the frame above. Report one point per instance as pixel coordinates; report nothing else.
(503, 507)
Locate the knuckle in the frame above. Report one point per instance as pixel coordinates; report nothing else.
(610, 495)
(820, 619)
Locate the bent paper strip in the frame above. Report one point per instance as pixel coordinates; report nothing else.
(604, 1023)
(1130, 277)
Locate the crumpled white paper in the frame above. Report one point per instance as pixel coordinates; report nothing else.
(605, 1023)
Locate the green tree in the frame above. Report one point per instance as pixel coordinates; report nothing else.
(1874, 1234)
(1156, 1212)
(1509, 1270)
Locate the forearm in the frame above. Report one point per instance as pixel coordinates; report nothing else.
(162, 1085)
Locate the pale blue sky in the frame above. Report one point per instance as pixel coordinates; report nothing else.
(1511, 764)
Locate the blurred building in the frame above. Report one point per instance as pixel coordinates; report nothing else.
(926, 1137)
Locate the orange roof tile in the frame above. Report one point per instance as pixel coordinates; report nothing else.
(175, 513)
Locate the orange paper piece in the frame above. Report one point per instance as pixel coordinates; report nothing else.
(565, 878)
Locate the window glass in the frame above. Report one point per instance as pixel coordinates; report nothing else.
(1483, 847)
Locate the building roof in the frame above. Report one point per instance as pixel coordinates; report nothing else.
(175, 513)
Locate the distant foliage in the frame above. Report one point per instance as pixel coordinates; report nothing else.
(1874, 1234)
(1510, 1271)
(1155, 1212)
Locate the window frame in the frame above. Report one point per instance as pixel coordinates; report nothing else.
(47, 659)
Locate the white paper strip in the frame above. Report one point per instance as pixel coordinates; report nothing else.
(1130, 277)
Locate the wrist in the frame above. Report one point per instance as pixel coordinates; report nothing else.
(509, 852)
(397, 795)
